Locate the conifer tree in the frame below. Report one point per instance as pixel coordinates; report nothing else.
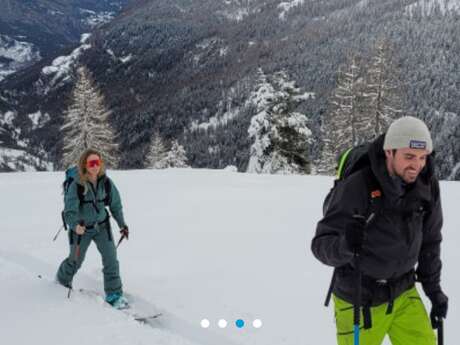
(156, 157)
(86, 123)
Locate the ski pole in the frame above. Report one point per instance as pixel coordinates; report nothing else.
(357, 298)
(358, 282)
(77, 249)
(124, 235)
(57, 234)
(63, 226)
(121, 239)
(440, 332)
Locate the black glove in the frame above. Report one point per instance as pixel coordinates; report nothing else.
(439, 302)
(354, 233)
(125, 232)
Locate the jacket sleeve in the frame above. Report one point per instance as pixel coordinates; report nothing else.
(349, 198)
(71, 206)
(429, 262)
(115, 206)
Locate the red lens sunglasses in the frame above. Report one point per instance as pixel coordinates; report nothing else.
(94, 163)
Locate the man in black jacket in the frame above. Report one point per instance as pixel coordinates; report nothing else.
(390, 241)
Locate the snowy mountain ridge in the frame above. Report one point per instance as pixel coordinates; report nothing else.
(182, 69)
(33, 30)
(62, 66)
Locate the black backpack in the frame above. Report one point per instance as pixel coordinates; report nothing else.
(70, 176)
(350, 161)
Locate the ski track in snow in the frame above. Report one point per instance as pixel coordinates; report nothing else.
(32, 268)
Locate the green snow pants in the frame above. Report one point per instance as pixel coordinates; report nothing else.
(106, 247)
(408, 324)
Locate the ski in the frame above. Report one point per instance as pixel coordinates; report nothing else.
(128, 310)
(145, 319)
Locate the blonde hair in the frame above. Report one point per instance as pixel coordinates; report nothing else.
(82, 171)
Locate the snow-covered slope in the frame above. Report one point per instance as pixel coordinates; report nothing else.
(204, 244)
(15, 54)
(31, 30)
(286, 6)
(62, 66)
(428, 6)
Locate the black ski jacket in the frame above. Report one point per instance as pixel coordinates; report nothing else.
(404, 235)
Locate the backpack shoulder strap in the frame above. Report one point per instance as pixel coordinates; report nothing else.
(81, 193)
(375, 205)
(374, 194)
(108, 191)
(80, 189)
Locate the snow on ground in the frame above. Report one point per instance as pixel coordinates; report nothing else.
(126, 58)
(62, 65)
(226, 113)
(223, 51)
(236, 15)
(216, 120)
(203, 244)
(286, 6)
(7, 118)
(94, 19)
(18, 159)
(38, 119)
(237, 10)
(427, 6)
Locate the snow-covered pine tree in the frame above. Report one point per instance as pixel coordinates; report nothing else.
(156, 156)
(382, 91)
(292, 136)
(176, 156)
(260, 128)
(281, 136)
(86, 123)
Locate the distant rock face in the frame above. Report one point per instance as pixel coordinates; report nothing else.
(188, 69)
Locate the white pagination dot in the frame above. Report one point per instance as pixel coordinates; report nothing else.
(257, 323)
(222, 323)
(205, 323)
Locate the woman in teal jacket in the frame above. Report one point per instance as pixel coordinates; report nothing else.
(88, 220)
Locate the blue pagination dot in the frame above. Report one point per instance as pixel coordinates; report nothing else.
(239, 323)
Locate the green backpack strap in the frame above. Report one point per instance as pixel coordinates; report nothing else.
(342, 160)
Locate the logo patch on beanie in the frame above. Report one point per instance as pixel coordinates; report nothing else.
(417, 144)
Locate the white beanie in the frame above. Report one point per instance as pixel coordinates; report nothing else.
(408, 132)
